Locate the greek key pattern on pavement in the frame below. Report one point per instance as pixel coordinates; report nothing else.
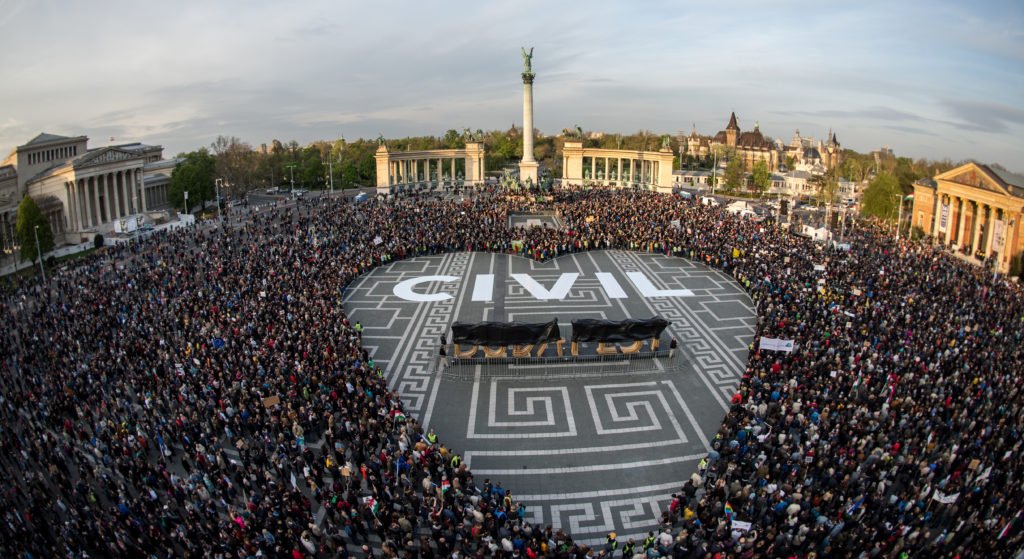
(589, 453)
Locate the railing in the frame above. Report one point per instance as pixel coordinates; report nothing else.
(567, 366)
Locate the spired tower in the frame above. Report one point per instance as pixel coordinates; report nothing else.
(528, 166)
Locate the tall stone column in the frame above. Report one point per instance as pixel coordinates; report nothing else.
(112, 177)
(97, 215)
(528, 166)
(141, 180)
(963, 223)
(979, 226)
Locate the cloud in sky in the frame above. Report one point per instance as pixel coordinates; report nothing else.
(931, 79)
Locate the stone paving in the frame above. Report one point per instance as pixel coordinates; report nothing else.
(590, 453)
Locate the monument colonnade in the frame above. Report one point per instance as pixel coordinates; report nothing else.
(396, 170)
(616, 167)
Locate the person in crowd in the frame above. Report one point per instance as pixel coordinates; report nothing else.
(202, 393)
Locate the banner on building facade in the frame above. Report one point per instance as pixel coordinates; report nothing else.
(943, 218)
(999, 235)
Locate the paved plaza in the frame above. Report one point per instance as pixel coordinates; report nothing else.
(590, 453)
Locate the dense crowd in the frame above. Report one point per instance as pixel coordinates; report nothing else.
(202, 393)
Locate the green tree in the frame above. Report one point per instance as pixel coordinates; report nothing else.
(195, 175)
(733, 175)
(452, 139)
(882, 197)
(761, 177)
(827, 188)
(29, 218)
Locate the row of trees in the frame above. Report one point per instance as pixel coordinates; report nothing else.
(244, 168)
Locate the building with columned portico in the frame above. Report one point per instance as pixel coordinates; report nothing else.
(975, 209)
(81, 191)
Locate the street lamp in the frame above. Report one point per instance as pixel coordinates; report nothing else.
(291, 171)
(39, 253)
(220, 218)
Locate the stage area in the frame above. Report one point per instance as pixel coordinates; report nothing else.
(591, 453)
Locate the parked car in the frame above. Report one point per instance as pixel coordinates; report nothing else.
(299, 192)
(272, 190)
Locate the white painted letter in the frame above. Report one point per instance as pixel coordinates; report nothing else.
(559, 291)
(483, 289)
(611, 286)
(647, 289)
(404, 289)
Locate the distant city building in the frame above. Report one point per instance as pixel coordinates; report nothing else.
(81, 190)
(754, 146)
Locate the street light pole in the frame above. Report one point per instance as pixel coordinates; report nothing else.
(220, 217)
(39, 253)
(291, 171)
(330, 170)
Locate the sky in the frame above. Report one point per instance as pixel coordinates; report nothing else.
(929, 79)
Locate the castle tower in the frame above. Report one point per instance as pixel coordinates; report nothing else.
(732, 131)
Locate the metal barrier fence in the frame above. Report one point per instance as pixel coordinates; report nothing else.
(558, 367)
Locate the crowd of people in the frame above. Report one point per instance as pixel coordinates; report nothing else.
(202, 393)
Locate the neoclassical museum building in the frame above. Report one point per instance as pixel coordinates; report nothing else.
(82, 190)
(975, 209)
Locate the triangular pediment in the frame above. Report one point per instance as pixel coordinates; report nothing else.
(103, 156)
(976, 176)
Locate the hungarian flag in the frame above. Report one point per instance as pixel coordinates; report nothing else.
(445, 486)
(1009, 525)
(372, 504)
(399, 416)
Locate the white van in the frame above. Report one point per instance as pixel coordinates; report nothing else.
(709, 201)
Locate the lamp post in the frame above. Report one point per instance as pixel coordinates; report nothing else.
(39, 253)
(186, 202)
(291, 171)
(220, 218)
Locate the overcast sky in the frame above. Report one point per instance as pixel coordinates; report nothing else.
(930, 79)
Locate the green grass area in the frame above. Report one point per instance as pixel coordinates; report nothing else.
(27, 269)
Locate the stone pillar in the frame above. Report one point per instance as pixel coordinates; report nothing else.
(83, 195)
(97, 215)
(112, 177)
(452, 172)
(126, 192)
(990, 225)
(140, 180)
(528, 166)
(963, 223)
(618, 171)
(76, 191)
(979, 216)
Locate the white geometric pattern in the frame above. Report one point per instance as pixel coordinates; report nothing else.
(590, 454)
